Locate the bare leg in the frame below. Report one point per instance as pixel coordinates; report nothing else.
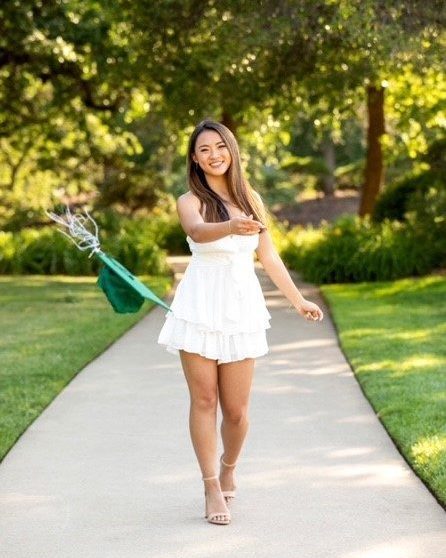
(234, 384)
(201, 377)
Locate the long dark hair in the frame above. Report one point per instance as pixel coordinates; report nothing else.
(240, 192)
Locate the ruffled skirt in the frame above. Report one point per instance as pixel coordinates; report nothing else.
(218, 312)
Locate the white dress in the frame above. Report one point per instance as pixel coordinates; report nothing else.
(219, 310)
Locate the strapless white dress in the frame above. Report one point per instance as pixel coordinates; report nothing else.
(219, 310)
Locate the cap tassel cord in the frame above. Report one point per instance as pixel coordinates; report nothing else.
(77, 230)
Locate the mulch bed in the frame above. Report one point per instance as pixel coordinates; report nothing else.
(313, 211)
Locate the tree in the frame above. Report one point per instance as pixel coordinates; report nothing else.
(374, 168)
(371, 41)
(66, 93)
(111, 89)
(398, 31)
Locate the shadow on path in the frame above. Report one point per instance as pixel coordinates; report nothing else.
(108, 469)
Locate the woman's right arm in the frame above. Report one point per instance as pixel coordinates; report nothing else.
(188, 208)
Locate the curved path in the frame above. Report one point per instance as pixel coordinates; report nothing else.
(108, 469)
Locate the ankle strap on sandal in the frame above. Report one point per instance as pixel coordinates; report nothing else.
(209, 478)
(227, 464)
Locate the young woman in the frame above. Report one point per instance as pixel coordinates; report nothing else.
(219, 316)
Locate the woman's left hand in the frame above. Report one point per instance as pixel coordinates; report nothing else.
(310, 311)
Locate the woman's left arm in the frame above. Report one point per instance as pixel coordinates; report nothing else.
(275, 268)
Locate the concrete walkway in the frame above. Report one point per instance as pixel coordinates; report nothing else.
(108, 469)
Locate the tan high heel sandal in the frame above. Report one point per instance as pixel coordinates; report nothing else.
(228, 494)
(213, 517)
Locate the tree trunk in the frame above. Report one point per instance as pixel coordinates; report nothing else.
(374, 170)
(229, 122)
(329, 155)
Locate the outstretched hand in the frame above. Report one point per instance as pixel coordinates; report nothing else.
(310, 311)
(245, 225)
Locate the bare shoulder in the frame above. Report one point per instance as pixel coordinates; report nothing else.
(189, 203)
(187, 199)
(188, 208)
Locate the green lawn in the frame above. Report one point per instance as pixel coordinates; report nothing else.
(394, 335)
(50, 328)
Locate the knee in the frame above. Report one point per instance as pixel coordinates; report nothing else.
(236, 415)
(205, 402)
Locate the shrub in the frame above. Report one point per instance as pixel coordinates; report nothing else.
(278, 231)
(47, 252)
(135, 246)
(140, 244)
(393, 203)
(396, 200)
(353, 249)
(135, 243)
(427, 215)
(169, 234)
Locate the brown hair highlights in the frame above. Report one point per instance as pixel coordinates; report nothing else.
(240, 191)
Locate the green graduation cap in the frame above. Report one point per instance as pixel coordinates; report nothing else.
(125, 292)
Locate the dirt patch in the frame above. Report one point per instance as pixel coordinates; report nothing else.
(313, 211)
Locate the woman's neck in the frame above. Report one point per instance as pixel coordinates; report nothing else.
(219, 185)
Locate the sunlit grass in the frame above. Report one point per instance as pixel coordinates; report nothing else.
(393, 334)
(50, 328)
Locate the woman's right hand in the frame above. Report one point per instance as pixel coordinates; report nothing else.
(245, 225)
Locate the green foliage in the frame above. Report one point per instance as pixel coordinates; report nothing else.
(46, 251)
(88, 117)
(415, 112)
(136, 248)
(427, 213)
(162, 225)
(410, 194)
(172, 237)
(310, 165)
(136, 243)
(278, 233)
(354, 249)
(275, 185)
(393, 202)
(407, 235)
(68, 106)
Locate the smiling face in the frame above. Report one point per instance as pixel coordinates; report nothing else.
(211, 153)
